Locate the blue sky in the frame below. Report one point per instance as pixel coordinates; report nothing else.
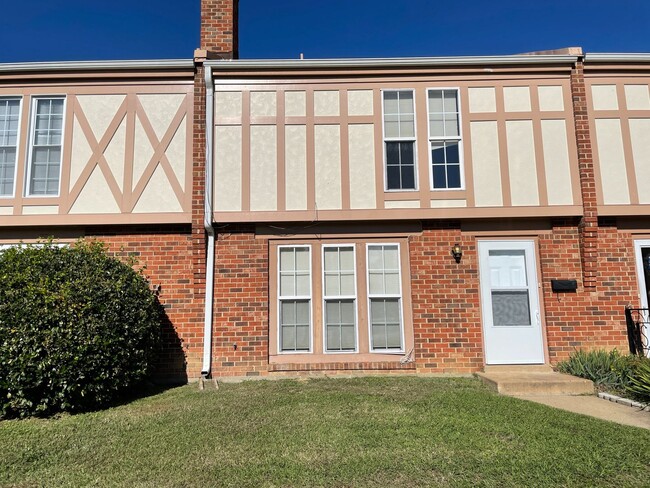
(47, 30)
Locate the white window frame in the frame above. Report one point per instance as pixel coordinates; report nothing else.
(370, 296)
(458, 138)
(295, 297)
(32, 134)
(325, 297)
(400, 139)
(20, 121)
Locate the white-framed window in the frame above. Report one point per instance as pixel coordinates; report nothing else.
(294, 298)
(45, 149)
(399, 140)
(9, 124)
(445, 141)
(339, 298)
(385, 298)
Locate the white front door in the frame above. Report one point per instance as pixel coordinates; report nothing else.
(642, 251)
(512, 325)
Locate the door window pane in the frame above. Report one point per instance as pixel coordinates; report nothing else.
(510, 307)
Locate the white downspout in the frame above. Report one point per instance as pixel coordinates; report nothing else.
(207, 223)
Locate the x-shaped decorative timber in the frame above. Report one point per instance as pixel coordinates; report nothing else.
(130, 108)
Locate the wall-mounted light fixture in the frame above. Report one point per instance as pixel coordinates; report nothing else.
(457, 252)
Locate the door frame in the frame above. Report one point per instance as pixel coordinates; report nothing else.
(534, 241)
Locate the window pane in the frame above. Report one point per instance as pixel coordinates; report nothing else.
(347, 284)
(451, 126)
(376, 282)
(347, 258)
(392, 283)
(392, 153)
(287, 259)
(436, 125)
(288, 338)
(407, 127)
(510, 308)
(331, 258)
(439, 176)
(390, 102)
(453, 176)
(302, 259)
(406, 153)
(393, 339)
(408, 177)
(302, 338)
(375, 257)
(287, 285)
(406, 102)
(391, 129)
(332, 284)
(451, 103)
(452, 152)
(391, 258)
(288, 311)
(303, 284)
(333, 338)
(393, 178)
(435, 101)
(302, 312)
(348, 338)
(437, 153)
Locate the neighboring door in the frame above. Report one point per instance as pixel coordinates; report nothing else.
(642, 252)
(512, 326)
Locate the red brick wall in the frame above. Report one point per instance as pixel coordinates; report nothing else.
(592, 317)
(219, 26)
(445, 300)
(241, 311)
(166, 255)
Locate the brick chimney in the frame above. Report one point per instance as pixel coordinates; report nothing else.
(219, 27)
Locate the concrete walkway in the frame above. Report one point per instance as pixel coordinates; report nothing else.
(594, 407)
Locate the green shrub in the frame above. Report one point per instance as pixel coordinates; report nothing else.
(639, 383)
(599, 366)
(77, 328)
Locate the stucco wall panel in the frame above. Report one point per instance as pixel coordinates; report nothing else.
(264, 167)
(637, 97)
(95, 197)
(142, 152)
(161, 109)
(360, 102)
(612, 161)
(486, 164)
(516, 98)
(521, 163)
(604, 97)
(227, 104)
(116, 151)
(100, 110)
(362, 166)
(556, 160)
(263, 104)
(551, 98)
(640, 136)
(448, 203)
(295, 103)
(80, 153)
(482, 100)
(296, 167)
(326, 103)
(40, 209)
(158, 196)
(176, 152)
(228, 168)
(328, 166)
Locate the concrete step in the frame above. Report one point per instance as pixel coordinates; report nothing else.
(530, 382)
(518, 368)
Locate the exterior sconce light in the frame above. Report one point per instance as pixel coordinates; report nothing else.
(457, 252)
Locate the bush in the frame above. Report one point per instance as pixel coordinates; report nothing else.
(599, 366)
(77, 328)
(639, 384)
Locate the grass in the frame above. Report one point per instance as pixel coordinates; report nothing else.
(366, 432)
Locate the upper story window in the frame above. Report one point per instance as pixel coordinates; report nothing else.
(45, 146)
(9, 115)
(445, 140)
(399, 139)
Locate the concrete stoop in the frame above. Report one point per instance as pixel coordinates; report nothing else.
(533, 380)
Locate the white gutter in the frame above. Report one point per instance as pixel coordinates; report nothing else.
(618, 57)
(520, 59)
(207, 223)
(130, 64)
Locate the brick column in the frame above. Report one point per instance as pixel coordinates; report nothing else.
(588, 227)
(219, 29)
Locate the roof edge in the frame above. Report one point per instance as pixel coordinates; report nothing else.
(118, 65)
(520, 59)
(617, 57)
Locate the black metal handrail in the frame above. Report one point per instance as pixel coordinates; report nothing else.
(638, 323)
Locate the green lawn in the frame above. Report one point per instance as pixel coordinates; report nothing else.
(396, 432)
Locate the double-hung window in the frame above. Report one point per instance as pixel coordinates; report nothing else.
(445, 139)
(294, 293)
(385, 297)
(46, 141)
(339, 297)
(9, 115)
(399, 139)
